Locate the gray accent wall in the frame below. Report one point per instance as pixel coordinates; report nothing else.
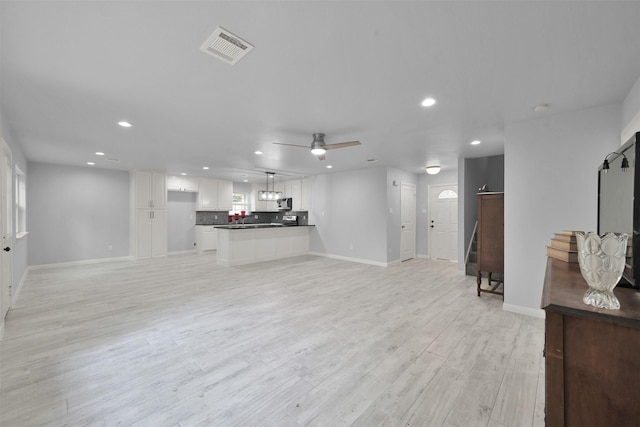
(478, 172)
(550, 185)
(181, 221)
(76, 213)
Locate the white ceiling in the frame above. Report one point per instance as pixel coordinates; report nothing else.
(353, 70)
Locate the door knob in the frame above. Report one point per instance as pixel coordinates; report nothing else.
(7, 249)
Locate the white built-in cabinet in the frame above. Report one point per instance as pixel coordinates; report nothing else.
(297, 189)
(215, 195)
(206, 238)
(148, 216)
(182, 183)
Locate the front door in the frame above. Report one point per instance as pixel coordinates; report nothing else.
(6, 213)
(443, 221)
(408, 221)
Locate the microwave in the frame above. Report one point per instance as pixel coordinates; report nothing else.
(285, 204)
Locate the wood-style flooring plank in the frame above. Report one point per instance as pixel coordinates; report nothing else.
(304, 341)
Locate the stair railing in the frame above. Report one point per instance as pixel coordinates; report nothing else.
(473, 235)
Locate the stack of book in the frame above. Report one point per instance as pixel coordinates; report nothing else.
(564, 246)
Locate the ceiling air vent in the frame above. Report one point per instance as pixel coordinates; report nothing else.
(224, 45)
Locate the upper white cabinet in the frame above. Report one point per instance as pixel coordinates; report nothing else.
(215, 195)
(304, 195)
(297, 189)
(150, 190)
(182, 183)
(225, 195)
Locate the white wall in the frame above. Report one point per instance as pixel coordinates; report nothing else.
(631, 113)
(550, 185)
(349, 210)
(76, 213)
(181, 221)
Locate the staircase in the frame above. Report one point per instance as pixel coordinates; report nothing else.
(471, 266)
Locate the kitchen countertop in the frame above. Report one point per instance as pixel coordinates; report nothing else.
(254, 226)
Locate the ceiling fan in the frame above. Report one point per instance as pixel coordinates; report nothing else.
(319, 147)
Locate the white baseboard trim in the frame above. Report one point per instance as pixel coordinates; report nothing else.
(16, 290)
(83, 262)
(344, 258)
(190, 251)
(528, 311)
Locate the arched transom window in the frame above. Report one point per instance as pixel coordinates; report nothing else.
(448, 194)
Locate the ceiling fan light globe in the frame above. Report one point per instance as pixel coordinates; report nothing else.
(318, 151)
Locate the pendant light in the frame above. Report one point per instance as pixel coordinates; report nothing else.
(270, 195)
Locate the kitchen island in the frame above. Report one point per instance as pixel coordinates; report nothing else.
(251, 243)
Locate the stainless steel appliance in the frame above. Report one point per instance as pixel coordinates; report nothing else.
(285, 204)
(290, 220)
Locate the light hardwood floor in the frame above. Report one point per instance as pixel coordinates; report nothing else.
(306, 341)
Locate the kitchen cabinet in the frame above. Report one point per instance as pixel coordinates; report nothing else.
(150, 233)
(182, 183)
(150, 190)
(148, 215)
(225, 195)
(215, 195)
(206, 238)
(304, 195)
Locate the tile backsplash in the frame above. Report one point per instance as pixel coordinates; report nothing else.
(220, 217)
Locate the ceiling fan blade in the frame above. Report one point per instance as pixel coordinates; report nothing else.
(292, 145)
(342, 145)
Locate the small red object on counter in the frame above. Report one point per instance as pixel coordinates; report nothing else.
(237, 216)
(230, 218)
(242, 214)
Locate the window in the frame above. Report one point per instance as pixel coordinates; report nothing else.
(240, 203)
(447, 194)
(21, 204)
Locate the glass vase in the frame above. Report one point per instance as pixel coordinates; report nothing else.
(601, 260)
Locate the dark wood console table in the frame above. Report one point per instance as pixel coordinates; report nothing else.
(592, 355)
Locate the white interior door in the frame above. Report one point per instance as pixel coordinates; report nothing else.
(443, 221)
(6, 209)
(408, 221)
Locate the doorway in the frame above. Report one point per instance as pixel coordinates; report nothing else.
(408, 221)
(443, 222)
(6, 228)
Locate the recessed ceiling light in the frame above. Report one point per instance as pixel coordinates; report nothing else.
(258, 152)
(183, 174)
(540, 108)
(125, 124)
(476, 142)
(245, 180)
(90, 163)
(205, 168)
(99, 153)
(428, 102)
(329, 167)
